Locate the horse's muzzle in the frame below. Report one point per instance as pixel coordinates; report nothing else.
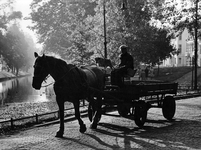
(36, 85)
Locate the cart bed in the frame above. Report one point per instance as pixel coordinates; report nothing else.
(135, 91)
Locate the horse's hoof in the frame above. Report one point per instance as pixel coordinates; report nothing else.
(83, 128)
(59, 134)
(93, 126)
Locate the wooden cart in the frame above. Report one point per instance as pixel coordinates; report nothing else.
(135, 99)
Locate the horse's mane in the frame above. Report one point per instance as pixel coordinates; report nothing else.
(59, 61)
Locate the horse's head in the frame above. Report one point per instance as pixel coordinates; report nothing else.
(41, 70)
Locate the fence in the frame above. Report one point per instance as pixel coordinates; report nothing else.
(11, 122)
(183, 89)
(188, 89)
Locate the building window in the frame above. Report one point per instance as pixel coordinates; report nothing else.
(179, 48)
(200, 62)
(179, 60)
(180, 37)
(200, 49)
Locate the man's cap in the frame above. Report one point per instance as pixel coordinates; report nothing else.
(123, 47)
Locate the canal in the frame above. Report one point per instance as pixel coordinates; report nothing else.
(20, 91)
(18, 99)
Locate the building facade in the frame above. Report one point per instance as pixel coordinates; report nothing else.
(185, 46)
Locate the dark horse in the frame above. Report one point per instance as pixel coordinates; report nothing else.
(71, 84)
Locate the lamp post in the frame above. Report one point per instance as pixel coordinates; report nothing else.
(192, 72)
(105, 36)
(190, 62)
(124, 3)
(196, 44)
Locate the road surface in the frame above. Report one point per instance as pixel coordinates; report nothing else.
(116, 133)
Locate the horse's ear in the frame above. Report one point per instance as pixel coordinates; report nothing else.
(43, 55)
(35, 54)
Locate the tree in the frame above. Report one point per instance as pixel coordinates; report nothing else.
(14, 48)
(15, 44)
(183, 15)
(155, 46)
(71, 30)
(177, 15)
(134, 28)
(61, 26)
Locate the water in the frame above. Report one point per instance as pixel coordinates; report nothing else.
(20, 90)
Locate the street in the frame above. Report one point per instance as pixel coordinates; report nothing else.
(115, 132)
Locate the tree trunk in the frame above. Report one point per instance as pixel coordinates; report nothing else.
(158, 71)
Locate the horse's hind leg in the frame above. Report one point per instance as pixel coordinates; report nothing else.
(77, 115)
(98, 113)
(61, 115)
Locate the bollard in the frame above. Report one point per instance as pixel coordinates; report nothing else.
(58, 114)
(37, 118)
(11, 121)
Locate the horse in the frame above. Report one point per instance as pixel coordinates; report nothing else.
(70, 84)
(102, 62)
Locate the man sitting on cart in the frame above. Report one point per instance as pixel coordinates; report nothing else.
(125, 64)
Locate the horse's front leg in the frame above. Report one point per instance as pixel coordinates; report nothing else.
(61, 116)
(77, 115)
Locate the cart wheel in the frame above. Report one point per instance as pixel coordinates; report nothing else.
(169, 107)
(140, 115)
(123, 109)
(91, 112)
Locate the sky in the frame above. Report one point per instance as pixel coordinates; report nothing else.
(24, 7)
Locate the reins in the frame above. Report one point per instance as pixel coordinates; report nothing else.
(43, 86)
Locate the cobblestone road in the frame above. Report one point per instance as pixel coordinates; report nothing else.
(115, 132)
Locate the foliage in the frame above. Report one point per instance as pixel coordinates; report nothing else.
(179, 15)
(148, 44)
(14, 44)
(62, 28)
(155, 46)
(74, 29)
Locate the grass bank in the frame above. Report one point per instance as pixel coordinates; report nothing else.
(171, 74)
(46, 111)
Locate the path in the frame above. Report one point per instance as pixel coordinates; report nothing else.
(116, 133)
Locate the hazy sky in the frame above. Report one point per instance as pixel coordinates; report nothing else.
(24, 7)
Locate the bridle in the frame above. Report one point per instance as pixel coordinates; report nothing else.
(39, 74)
(48, 66)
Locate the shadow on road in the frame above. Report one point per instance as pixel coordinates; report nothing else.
(178, 134)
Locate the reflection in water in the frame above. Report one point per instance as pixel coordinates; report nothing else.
(20, 90)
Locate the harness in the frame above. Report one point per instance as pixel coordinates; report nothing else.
(69, 78)
(74, 81)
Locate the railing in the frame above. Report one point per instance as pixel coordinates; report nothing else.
(188, 89)
(35, 118)
(182, 90)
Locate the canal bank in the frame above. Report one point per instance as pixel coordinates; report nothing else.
(19, 99)
(4, 75)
